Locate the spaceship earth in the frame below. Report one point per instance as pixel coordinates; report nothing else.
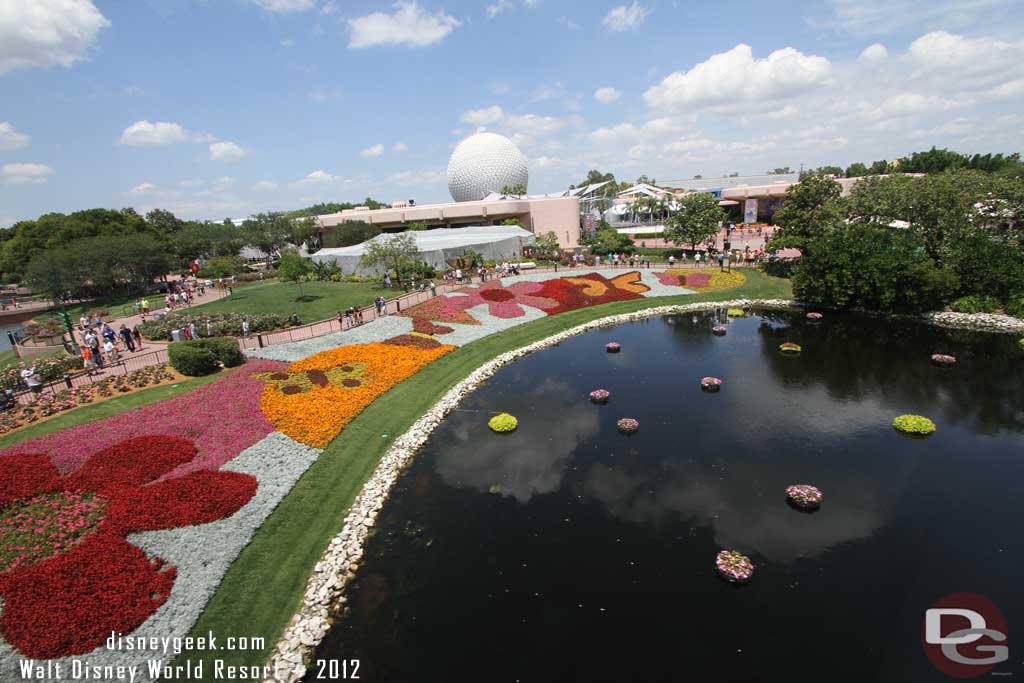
(484, 163)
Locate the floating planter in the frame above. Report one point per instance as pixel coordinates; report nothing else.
(720, 330)
(914, 425)
(790, 349)
(612, 347)
(736, 313)
(711, 384)
(804, 496)
(599, 395)
(628, 425)
(503, 423)
(814, 317)
(1021, 342)
(943, 359)
(734, 567)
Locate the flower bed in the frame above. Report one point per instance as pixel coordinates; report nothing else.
(628, 425)
(814, 317)
(48, 368)
(613, 347)
(599, 395)
(591, 289)
(702, 279)
(942, 359)
(734, 567)
(914, 425)
(736, 313)
(222, 323)
(804, 496)
(503, 423)
(719, 330)
(790, 349)
(502, 301)
(710, 384)
(334, 386)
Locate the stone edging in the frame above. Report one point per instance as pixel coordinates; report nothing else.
(337, 567)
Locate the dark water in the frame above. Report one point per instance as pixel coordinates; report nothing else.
(569, 552)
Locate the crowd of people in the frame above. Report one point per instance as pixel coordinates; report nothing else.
(102, 345)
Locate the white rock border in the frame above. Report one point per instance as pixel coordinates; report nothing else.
(337, 567)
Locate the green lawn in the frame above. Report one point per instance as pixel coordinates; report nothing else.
(321, 300)
(263, 588)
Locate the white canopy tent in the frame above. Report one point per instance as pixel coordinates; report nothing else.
(437, 247)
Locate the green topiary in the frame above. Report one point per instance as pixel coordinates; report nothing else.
(192, 360)
(224, 348)
(503, 423)
(975, 303)
(916, 425)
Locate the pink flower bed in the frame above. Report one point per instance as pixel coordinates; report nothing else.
(222, 419)
(599, 395)
(719, 330)
(710, 384)
(943, 359)
(502, 301)
(804, 496)
(613, 347)
(733, 566)
(628, 425)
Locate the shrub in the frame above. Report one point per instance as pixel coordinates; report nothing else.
(49, 369)
(1015, 305)
(222, 323)
(915, 425)
(503, 423)
(223, 266)
(975, 303)
(190, 360)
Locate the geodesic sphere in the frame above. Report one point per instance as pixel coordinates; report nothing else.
(485, 163)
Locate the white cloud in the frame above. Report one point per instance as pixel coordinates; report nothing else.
(144, 188)
(372, 151)
(424, 177)
(973, 63)
(947, 129)
(873, 54)
(11, 138)
(46, 33)
(318, 177)
(146, 134)
(569, 23)
(873, 17)
(223, 184)
(521, 128)
(25, 174)
(226, 151)
(735, 78)
(607, 95)
(482, 117)
(400, 148)
(134, 91)
(287, 42)
(286, 6)
(499, 7)
(625, 18)
(409, 25)
(264, 186)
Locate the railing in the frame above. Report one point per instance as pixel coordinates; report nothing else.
(125, 364)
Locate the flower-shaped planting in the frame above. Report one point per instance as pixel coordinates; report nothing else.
(719, 330)
(592, 289)
(736, 313)
(502, 301)
(613, 347)
(710, 384)
(804, 496)
(68, 576)
(789, 348)
(914, 425)
(503, 423)
(599, 395)
(814, 317)
(628, 425)
(943, 359)
(702, 280)
(733, 566)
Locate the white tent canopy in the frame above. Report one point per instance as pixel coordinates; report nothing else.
(437, 247)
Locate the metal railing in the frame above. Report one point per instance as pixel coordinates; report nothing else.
(125, 364)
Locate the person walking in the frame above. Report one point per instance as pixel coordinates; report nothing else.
(137, 336)
(245, 328)
(126, 337)
(32, 379)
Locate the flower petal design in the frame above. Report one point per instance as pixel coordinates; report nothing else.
(70, 604)
(196, 498)
(25, 475)
(630, 282)
(133, 462)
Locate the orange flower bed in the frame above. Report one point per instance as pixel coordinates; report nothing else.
(319, 395)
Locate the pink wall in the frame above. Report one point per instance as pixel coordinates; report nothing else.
(559, 215)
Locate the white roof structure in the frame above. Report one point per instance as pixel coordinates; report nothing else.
(437, 247)
(647, 190)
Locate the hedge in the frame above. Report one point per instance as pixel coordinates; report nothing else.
(221, 323)
(203, 356)
(48, 368)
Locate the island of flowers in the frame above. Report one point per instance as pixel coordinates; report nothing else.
(915, 425)
(702, 279)
(503, 423)
(804, 496)
(628, 425)
(789, 348)
(736, 313)
(943, 359)
(720, 330)
(733, 566)
(599, 395)
(613, 347)
(710, 384)
(814, 316)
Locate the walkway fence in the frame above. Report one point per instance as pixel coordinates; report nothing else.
(126, 363)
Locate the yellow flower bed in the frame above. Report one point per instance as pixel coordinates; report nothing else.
(916, 425)
(317, 413)
(718, 279)
(503, 423)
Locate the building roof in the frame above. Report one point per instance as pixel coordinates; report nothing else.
(440, 238)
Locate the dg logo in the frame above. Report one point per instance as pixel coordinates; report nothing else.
(965, 635)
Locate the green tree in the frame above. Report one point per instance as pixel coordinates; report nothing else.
(812, 208)
(164, 221)
(418, 226)
(547, 244)
(856, 170)
(294, 268)
(697, 219)
(512, 221)
(518, 189)
(348, 233)
(879, 168)
(268, 232)
(304, 229)
(780, 171)
(397, 253)
(608, 240)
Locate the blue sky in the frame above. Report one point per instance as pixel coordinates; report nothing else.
(215, 108)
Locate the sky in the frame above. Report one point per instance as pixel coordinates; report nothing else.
(223, 108)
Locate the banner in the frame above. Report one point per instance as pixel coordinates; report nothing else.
(750, 211)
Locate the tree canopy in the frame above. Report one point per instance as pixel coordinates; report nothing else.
(697, 219)
(397, 253)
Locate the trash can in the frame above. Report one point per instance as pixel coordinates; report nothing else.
(177, 336)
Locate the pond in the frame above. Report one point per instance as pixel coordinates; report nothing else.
(567, 551)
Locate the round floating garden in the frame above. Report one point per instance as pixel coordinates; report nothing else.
(804, 496)
(710, 384)
(814, 317)
(628, 425)
(613, 347)
(599, 395)
(943, 359)
(790, 349)
(914, 425)
(734, 567)
(719, 330)
(503, 423)
(736, 313)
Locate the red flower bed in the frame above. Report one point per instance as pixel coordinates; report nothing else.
(439, 309)
(68, 576)
(591, 290)
(414, 340)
